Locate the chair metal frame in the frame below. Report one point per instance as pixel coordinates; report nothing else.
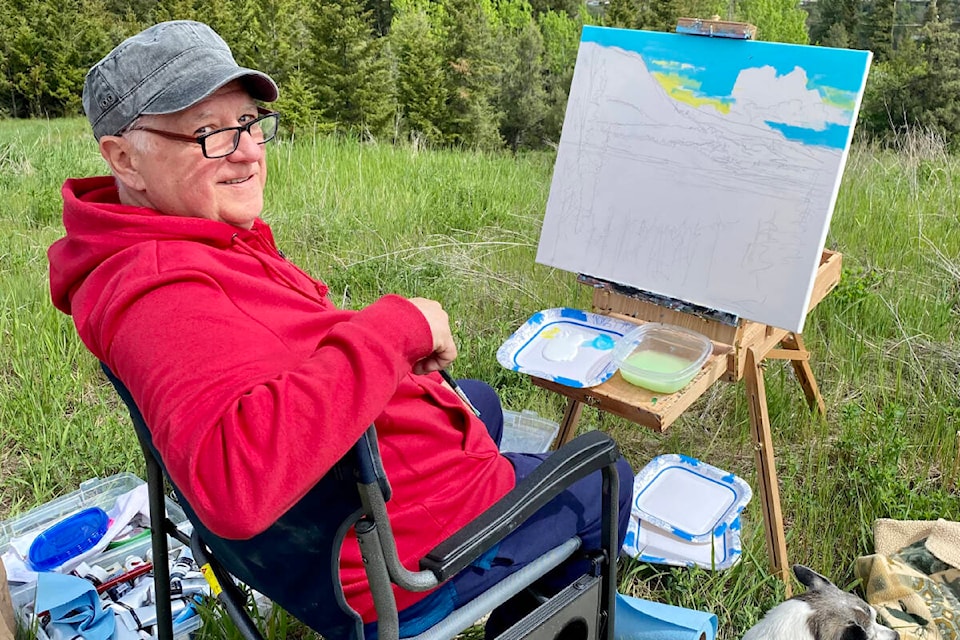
(585, 609)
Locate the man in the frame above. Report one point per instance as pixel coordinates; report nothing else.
(252, 383)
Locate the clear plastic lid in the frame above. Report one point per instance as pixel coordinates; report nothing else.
(661, 356)
(68, 539)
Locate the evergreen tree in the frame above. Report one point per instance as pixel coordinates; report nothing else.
(561, 37)
(283, 39)
(165, 10)
(890, 102)
(938, 88)
(950, 13)
(421, 94)
(876, 28)
(828, 13)
(238, 23)
(40, 80)
(569, 7)
(622, 13)
(295, 104)
(836, 36)
(706, 9)
(659, 15)
(381, 13)
(472, 74)
(349, 73)
(522, 98)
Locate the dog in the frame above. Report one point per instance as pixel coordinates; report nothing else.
(822, 612)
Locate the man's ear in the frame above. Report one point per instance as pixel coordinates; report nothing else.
(123, 161)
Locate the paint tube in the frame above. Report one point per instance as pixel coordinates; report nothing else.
(189, 586)
(183, 565)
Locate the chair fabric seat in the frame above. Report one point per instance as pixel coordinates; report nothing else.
(295, 562)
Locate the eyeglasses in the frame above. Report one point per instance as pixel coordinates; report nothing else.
(223, 142)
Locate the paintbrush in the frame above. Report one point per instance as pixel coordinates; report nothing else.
(456, 388)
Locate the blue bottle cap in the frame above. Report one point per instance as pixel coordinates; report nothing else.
(68, 539)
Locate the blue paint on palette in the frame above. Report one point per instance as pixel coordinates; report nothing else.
(573, 314)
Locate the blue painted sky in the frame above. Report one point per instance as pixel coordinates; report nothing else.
(712, 65)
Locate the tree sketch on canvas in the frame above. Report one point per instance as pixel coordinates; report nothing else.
(702, 169)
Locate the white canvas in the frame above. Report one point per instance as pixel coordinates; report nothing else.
(702, 169)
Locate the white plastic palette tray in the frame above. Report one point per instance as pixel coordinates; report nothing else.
(648, 543)
(564, 345)
(688, 498)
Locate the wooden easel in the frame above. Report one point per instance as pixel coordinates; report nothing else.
(738, 353)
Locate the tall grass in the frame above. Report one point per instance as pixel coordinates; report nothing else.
(463, 228)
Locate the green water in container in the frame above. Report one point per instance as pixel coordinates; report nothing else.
(638, 369)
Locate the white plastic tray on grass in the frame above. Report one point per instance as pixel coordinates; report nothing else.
(648, 543)
(688, 498)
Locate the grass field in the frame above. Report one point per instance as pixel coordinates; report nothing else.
(462, 228)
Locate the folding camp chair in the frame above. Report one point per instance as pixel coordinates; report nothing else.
(354, 494)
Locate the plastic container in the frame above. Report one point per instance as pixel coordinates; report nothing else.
(688, 498)
(527, 432)
(646, 542)
(659, 357)
(97, 492)
(69, 538)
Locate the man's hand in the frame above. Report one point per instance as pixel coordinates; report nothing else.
(444, 350)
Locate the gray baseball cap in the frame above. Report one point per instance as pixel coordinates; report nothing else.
(164, 69)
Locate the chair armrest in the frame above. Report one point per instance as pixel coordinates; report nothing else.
(585, 454)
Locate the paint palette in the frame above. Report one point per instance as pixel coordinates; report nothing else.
(564, 345)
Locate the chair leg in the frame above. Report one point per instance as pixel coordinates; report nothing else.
(161, 556)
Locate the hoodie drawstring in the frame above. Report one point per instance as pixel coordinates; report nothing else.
(277, 274)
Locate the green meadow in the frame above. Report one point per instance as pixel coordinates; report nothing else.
(462, 228)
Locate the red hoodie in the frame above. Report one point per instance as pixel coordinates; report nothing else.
(254, 384)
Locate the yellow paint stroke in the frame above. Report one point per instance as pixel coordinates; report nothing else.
(552, 332)
(684, 90)
(844, 100)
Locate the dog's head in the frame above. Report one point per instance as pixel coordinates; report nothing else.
(836, 614)
(822, 612)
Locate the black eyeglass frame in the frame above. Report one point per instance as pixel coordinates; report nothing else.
(202, 139)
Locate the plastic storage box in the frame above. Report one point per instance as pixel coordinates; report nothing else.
(527, 432)
(97, 492)
(660, 357)
(686, 512)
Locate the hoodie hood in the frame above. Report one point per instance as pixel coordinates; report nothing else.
(98, 227)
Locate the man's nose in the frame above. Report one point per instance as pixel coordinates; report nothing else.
(247, 148)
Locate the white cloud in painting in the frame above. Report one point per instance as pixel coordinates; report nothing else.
(760, 94)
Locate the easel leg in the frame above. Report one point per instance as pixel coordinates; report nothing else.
(766, 467)
(801, 367)
(568, 427)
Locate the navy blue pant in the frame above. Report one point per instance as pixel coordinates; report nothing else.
(576, 511)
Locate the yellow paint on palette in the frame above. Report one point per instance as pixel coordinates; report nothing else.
(684, 90)
(552, 332)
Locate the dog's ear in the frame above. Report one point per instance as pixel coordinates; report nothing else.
(810, 578)
(853, 632)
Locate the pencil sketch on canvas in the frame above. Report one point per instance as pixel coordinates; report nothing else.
(702, 169)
